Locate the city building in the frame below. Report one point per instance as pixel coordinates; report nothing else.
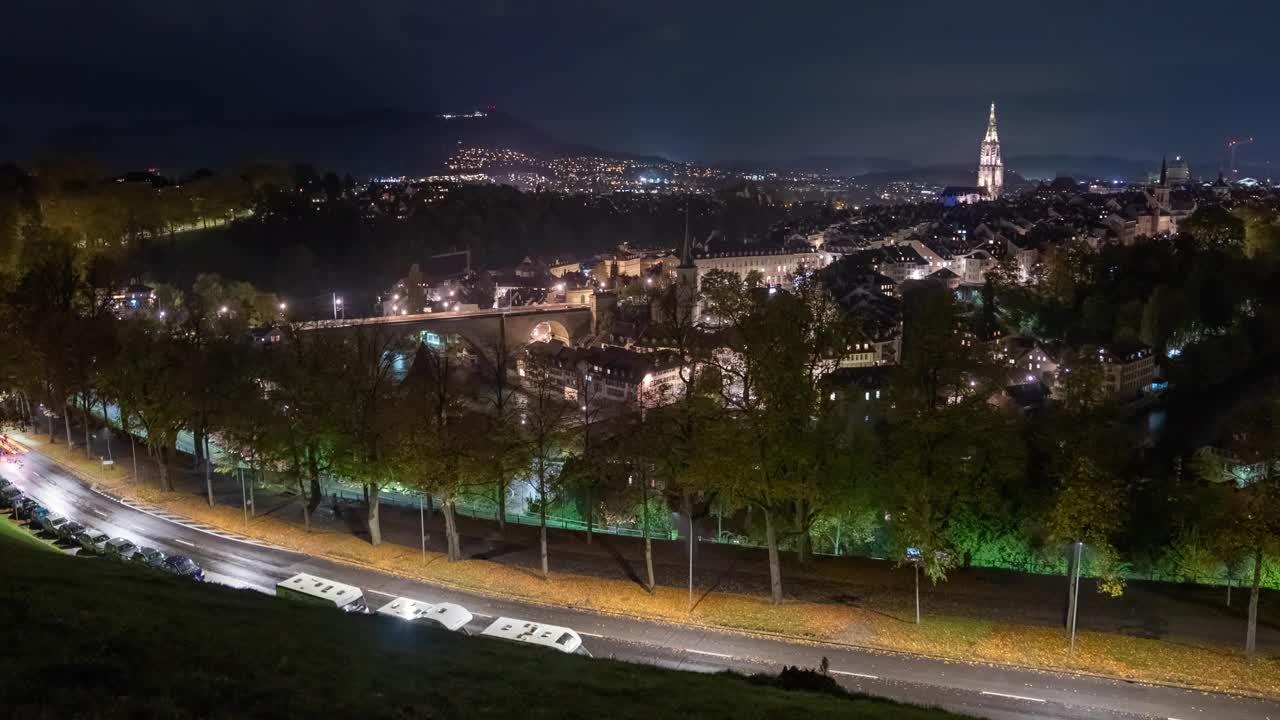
(953, 195)
(603, 375)
(1127, 370)
(133, 299)
(1028, 361)
(777, 266)
(990, 166)
(632, 263)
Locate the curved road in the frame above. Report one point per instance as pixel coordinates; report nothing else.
(969, 688)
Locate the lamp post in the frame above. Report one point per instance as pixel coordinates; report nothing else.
(337, 306)
(244, 503)
(1075, 598)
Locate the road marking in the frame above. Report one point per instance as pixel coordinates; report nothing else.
(97, 512)
(854, 674)
(704, 652)
(1013, 697)
(379, 592)
(184, 542)
(482, 615)
(590, 634)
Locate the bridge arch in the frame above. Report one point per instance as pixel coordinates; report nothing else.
(549, 330)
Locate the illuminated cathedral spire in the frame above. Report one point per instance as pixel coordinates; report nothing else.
(990, 167)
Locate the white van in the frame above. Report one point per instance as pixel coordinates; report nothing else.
(319, 591)
(446, 615)
(552, 636)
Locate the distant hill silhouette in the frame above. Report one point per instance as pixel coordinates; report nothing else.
(364, 141)
(391, 141)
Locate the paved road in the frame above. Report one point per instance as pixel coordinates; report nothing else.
(974, 689)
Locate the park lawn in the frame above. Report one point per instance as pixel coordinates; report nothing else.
(114, 641)
(11, 529)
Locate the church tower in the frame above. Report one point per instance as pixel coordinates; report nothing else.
(687, 279)
(990, 166)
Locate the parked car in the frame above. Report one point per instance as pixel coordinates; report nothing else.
(9, 496)
(94, 541)
(4, 482)
(51, 522)
(120, 549)
(69, 532)
(24, 509)
(38, 514)
(148, 557)
(184, 566)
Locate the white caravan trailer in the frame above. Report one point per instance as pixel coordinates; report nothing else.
(446, 615)
(552, 636)
(319, 591)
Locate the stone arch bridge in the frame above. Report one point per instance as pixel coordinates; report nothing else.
(569, 323)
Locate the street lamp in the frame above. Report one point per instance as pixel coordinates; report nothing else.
(1075, 598)
(337, 305)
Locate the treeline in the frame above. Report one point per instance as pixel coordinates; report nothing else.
(303, 232)
(302, 249)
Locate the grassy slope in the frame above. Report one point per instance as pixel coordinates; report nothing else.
(89, 636)
(10, 530)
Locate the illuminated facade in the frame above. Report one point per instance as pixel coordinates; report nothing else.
(990, 166)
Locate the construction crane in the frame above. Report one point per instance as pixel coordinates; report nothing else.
(1232, 144)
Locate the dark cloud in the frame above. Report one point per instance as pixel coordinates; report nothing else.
(692, 79)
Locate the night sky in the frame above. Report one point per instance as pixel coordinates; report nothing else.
(692, 80)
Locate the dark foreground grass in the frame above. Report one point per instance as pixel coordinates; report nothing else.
(86, 637)
(10, 529)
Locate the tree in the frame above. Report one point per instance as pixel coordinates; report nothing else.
(362, 414)
(947, 453)
(543, 428)
(46, 301)
(505, 452)
(1214, 227)
(583, 464)
(941, 362)
(782, 346)
(247, 423)
(147, 377)
(1250, 472)
(433, 436)
(304, 385)
(1090, 507)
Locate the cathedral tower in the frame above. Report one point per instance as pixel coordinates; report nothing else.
(990, 166)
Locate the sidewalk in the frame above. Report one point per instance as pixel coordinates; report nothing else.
(979, 614)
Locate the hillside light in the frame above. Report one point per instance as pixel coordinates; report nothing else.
(283, 307)
(222, 310)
